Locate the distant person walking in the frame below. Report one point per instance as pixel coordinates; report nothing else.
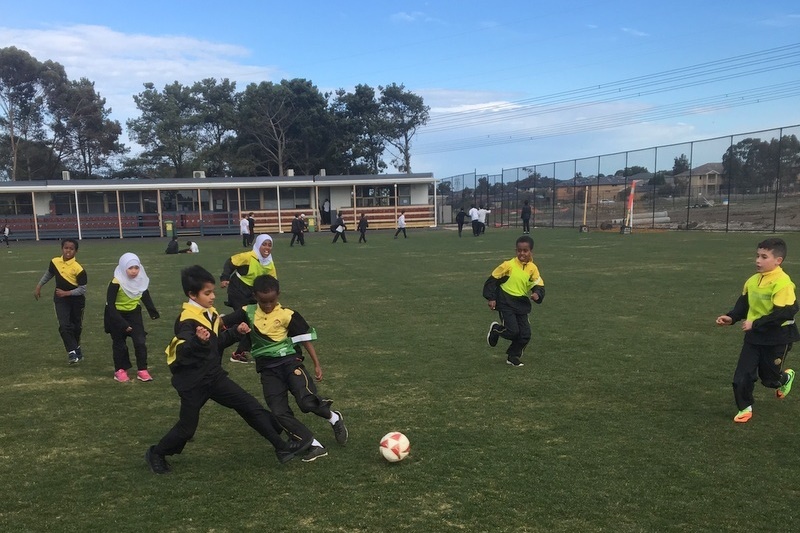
(476, 224)
(298, 227)
(251, 225)
(482, 218)
(460, 219)
(6, 233)
(326, 211)
(363, 224)
(401, 225)
(526, 217)
(338, 228)
(244, 230)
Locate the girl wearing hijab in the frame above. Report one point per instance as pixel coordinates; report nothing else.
(238, 275)
(123, 316)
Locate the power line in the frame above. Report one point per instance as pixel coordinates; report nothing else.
(759, 62)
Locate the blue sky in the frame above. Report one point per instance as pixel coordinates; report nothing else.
(490, 71)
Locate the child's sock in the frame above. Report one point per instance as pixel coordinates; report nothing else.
(334, 418)
(315, 442)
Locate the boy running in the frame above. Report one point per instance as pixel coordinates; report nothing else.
(767, 305)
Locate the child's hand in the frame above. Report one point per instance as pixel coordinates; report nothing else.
(724, 320)
(747, 325)
(128, 329)
(492, 304)
(62, 293)
(243, 328)
(535, 296)
(318, 372)
(37, 292)
(223, 284)
(202, 333)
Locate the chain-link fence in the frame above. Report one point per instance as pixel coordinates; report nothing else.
(744, 182)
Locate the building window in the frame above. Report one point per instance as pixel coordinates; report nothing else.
(404, 194)
(251, 199)
(374, 195)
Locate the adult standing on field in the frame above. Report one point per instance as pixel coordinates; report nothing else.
(482, 212)
(326, 211)
(244, 230)
(460, 218)
(526, 218)
(251, 224)
(476, 225)
(401, 225)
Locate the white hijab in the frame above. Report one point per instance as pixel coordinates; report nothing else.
(132, 287)
(257, 249)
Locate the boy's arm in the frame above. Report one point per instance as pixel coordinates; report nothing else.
(192, 347)
(313, 354)
(537, 294)
(491, 287)
(231, 320)
(740, 308)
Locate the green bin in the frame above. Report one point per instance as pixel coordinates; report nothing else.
(312, 223)
(169, 228)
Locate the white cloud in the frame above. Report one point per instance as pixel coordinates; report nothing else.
(782, 21)
(120, 63)
(635, 33)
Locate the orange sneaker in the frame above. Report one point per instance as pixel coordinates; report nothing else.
(743, 416)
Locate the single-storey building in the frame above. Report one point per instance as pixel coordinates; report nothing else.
(209, 206)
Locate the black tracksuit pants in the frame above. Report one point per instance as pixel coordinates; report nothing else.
(758, 361)
(69, 312)
(293, 377)
(227, 393)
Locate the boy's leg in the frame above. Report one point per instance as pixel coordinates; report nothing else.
(745, 375)
(522, 339)
(304, 390)
(175, 440)
(276, 389)
(770, 366)
(228, 393)
(66, 324)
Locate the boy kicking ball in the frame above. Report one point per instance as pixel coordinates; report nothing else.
(767, 307)
(510, 290)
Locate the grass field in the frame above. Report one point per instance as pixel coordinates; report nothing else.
(620, 420)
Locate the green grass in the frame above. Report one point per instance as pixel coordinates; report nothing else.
(621, 419)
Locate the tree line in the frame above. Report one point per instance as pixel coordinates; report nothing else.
(49, 123)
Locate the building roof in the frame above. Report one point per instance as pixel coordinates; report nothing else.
(702, 170)
(138, 184)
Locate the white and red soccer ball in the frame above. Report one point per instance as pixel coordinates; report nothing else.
(395, 446)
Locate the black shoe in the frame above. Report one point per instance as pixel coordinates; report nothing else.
(494, 335)
(514, 361)
(340, 430)
(293, 449)
(73, 357)
(157, 463)
(314, 453)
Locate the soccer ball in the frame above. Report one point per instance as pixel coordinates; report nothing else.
(395, 446)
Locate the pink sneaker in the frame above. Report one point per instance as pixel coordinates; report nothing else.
(121, 375)
(144, 375)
